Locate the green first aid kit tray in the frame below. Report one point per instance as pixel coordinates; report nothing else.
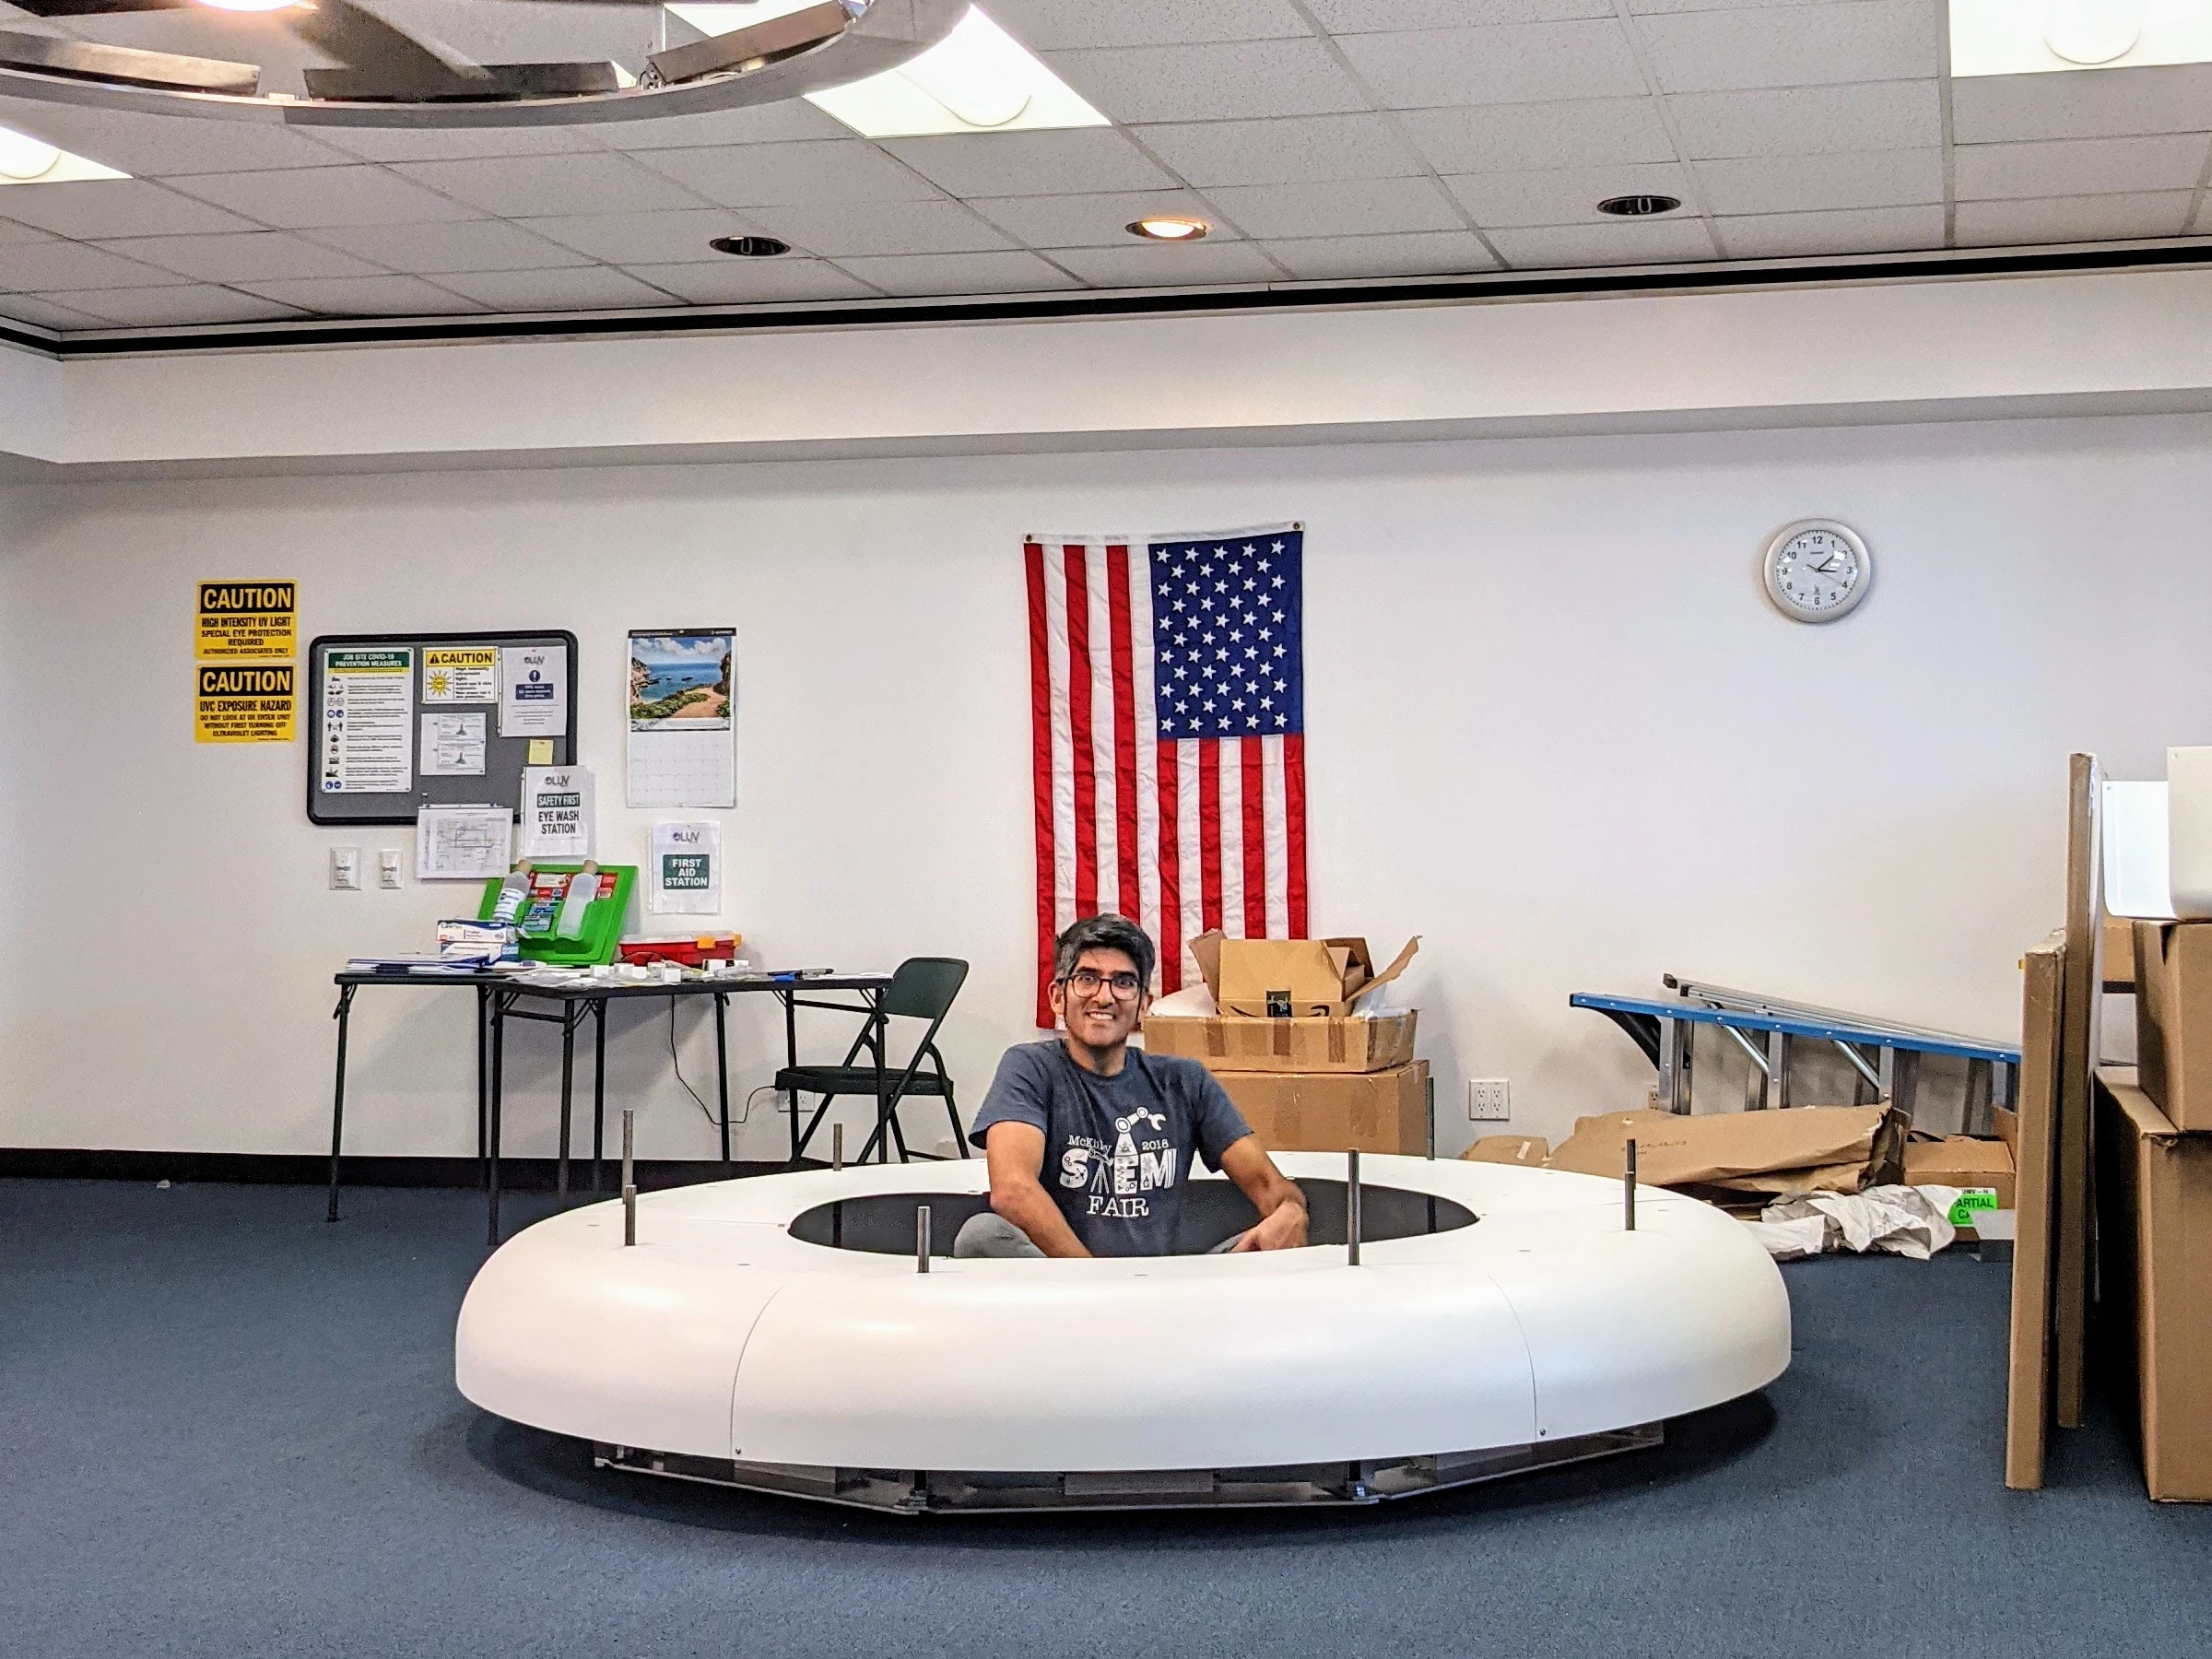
(541, 914)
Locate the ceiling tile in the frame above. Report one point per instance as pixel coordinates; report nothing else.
(997, 164)
(881, 227)
(1090, 221)
(1296, 149)
(312, 198)
(51, 266)
(1566, 196)
(1160, 265)
(2078, 166)
(2072, 219)
(95, 207)
(1054, 25)
(1322, 259)
(1792, 45)
(1854, 231)
(1372, 17)
(529, 186)
(1653, 242)
(627, 239)
(42, 312)
(782, 175)
(1517, 137)
(157, 145)
(1211, 83)
(580, 288)
(793, 119)
(1372, 208)
(754, 281)
(187, 303)
(476, 245)
(1521, 63)
(1809, 121)
(2090, 103)
(453, 144)
(249, 256)
(1801, 184)
(365, 296)
(959, 274)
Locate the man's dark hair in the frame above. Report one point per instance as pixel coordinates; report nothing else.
(1104, 933)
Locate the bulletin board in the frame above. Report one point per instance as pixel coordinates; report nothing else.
(372, 758)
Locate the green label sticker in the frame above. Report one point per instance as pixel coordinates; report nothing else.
(1969, 1201)
(683, 871)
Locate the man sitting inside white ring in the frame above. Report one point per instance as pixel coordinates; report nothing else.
(1091, 1142)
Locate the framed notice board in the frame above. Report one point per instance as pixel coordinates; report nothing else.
(399, 722)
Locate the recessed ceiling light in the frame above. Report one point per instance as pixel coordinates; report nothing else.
(978, 78)
(1638, 206)
(750, 247)
(1170, 226)
(28, 161)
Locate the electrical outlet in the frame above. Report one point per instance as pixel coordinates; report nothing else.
(345, 869)
(1489, 1099)
(387, 867)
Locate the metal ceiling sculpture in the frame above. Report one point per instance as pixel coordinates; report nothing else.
(395, 63)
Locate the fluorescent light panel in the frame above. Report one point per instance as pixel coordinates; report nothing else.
(978, 78)
(28, 161)
(2013, 37)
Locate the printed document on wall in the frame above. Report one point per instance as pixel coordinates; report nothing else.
(683, 705)
(368, 722)
(687, 869)
(533, 691)
(557, 812)
(452, 746)
(463, 843)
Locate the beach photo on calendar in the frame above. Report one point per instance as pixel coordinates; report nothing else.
(679, 681)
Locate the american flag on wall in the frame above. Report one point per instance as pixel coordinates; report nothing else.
(1166, 694)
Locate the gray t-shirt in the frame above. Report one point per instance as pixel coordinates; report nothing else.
(1118, 1150)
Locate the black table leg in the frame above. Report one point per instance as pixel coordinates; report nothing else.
(483, 1103)
(722, 1069)
(791, 1059)
(337, 1094)
(570, 1013)
(498, 1079)
(598, 1084)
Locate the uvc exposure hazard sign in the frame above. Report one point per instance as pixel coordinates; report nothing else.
(244, 702)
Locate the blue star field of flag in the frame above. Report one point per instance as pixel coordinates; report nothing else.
(1227, 635)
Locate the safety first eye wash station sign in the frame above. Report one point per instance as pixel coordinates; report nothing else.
(244, 677)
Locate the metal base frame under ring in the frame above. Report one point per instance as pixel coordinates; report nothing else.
(1292, 1486)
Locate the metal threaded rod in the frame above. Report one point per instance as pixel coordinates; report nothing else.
(1628, 1187)
(922, 1238)
(836, 1146)
(1351, 1208)
(630, 1177)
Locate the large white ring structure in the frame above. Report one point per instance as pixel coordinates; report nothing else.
(724, 1347)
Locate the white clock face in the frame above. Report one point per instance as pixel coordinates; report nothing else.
(1816, 571)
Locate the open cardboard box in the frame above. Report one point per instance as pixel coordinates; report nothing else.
(1291, 979)
(1338, 972)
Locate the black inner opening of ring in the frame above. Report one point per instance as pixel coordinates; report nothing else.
(883, 1223)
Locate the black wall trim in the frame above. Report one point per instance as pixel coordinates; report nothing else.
(1537, 284)
(273, 1168)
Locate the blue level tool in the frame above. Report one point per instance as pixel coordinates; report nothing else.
(1885, 1055)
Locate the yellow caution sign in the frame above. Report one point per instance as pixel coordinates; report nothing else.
(469, 674)
(242, 620)
(250, 702)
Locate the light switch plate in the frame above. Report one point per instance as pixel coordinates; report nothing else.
(1489, 1099)
(345, 869)
(387, 867)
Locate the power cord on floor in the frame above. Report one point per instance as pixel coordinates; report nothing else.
(675, 1061)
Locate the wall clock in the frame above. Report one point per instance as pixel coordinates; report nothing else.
(1816, 569)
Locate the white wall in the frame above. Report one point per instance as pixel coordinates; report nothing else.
(1553, 728)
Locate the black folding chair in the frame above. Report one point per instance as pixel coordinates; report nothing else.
(923, 988)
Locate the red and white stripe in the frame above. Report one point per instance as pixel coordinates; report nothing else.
(1179, 836)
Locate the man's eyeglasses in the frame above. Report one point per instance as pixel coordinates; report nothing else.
(1085, 981)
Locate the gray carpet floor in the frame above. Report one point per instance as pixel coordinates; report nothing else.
(229, 1428)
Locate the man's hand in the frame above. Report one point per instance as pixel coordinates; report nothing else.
(1282, 1207)
(1016, 1155)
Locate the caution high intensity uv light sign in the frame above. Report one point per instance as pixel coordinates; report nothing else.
(242, 620)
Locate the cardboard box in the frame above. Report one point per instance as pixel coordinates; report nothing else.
(1291, 979)
(2154, 1246)
(1962, 1160)
(2174, 1019)
(1286, 1046)
(1530, 1151)
(1333, 1111)
(1786, 1153)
